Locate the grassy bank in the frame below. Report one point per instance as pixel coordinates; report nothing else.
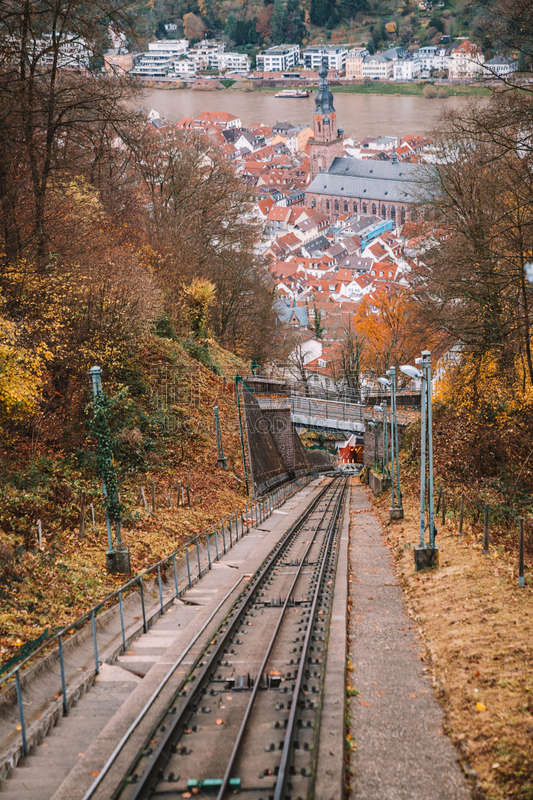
(395, 89)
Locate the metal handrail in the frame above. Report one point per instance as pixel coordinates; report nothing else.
(252, 513)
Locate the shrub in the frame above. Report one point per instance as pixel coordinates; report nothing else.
(430, 92)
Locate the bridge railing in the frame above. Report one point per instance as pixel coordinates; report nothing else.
(313, 407)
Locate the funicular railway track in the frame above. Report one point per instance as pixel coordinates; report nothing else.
(245, 716)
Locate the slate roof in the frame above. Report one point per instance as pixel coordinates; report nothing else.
(377, 180)
(285, 313)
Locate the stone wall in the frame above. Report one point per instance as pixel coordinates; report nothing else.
(275, 451)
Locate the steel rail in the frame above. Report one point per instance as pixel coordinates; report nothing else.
(112, 758)
(291, 725)
(247, 714)
(144, 784)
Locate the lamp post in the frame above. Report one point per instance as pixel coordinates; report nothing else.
(117, 556)
(374, 424)
(425, 555)
(385, 444)
(396, 511)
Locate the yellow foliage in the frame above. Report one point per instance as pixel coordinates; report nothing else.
(390, 27)
(21, 371)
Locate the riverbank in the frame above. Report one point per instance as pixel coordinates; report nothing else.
(414, 89)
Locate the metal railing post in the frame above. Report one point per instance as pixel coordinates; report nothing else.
(160, 589)
(122, 620)
(95, 644)
(175, 574)
(142, 603)
(21, 714)
(62, 668)
(198, 557)
(188, 565)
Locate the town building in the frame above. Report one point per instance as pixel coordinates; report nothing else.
(327, 143)
(466, 62)
(159, 60)
(406, 69)
(314, 55)
(378, 67)
(279, 58)
(118, 63)
(500, 67)
(73, 52)
(354, 63)
(356, 186)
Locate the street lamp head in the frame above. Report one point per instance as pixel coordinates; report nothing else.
(412, 372)
(384, 381)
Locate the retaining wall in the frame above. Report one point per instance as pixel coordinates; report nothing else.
(275, 451)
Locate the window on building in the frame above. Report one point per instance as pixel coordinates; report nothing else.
(336, 205)
(402, 216)
(346, 205)
(354, 207)
(383, 212)
(381, 273)
(393, 213)
(319, 127)
(373, 208)
(364, 208)
(327, 205)
(313, 203)
(390, 274)
(414, 215)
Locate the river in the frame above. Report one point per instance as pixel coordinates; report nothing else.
(359, 115)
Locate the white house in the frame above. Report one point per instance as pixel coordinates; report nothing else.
(406, 69)
(279, 58)
(499, 67)
(335, 54)
(466, 62)
(378, 67)
(73, 53)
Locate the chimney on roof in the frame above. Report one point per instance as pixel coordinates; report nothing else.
(394, 157)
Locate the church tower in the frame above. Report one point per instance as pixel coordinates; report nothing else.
(328, 141)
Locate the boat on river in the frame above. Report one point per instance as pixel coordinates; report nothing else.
(292, 93)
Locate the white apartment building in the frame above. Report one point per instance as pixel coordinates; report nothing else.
(500, 66)
(74, 52)
(233, 62)
(354, 63)
(206, 53)
(160, 59)
(335, 54)
(378, 67)
(466, 62)
(279, 58)
(432, 57)
(406, 69)
(184, 67)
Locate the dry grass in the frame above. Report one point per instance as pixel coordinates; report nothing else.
(476, 624)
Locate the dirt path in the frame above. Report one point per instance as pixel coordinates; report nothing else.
(399, 748)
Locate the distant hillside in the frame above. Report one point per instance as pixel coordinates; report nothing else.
(255, 24)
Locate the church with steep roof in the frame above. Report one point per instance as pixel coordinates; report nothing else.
(343, 185)
(328, 139)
